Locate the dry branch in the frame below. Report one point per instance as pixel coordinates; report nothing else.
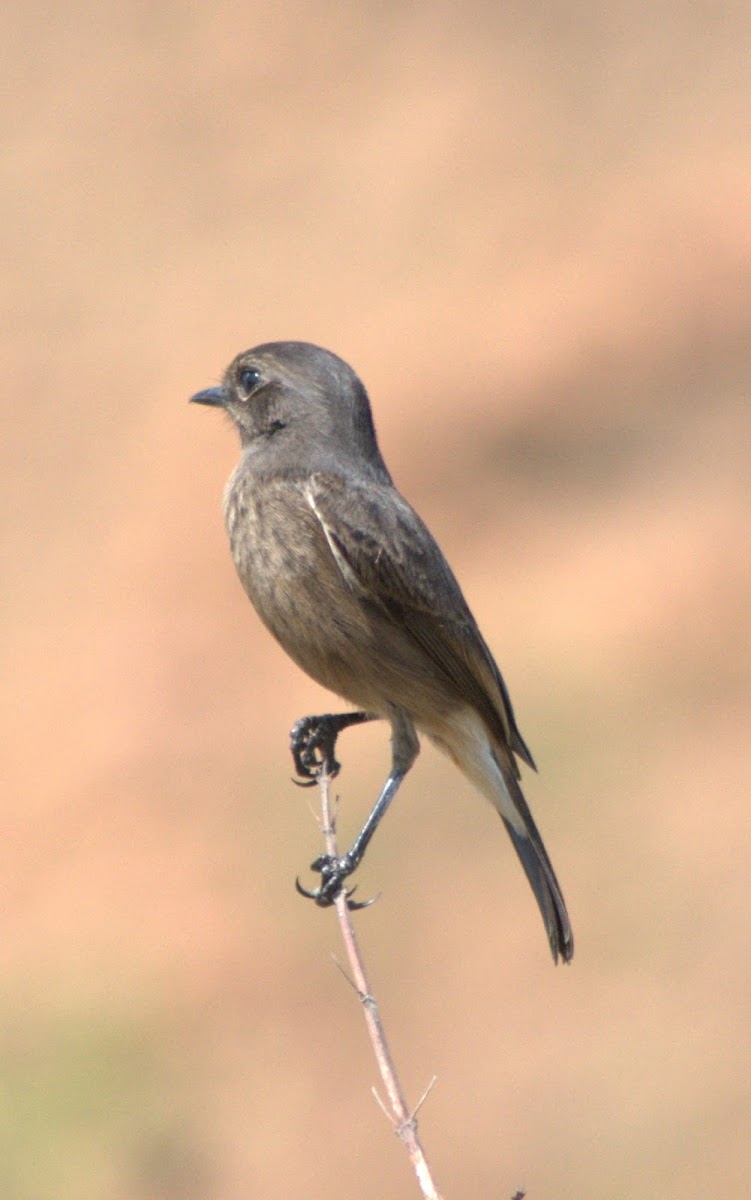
(402, 1118)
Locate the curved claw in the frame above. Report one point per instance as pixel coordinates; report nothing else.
(303, 782)
(320, 897)
(306, 765)
(303, 891)
(353, 905)
(325, 902)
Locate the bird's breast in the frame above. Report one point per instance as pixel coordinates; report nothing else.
(287, 569)
(275, 544)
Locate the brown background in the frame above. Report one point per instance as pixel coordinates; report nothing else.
(528, 228)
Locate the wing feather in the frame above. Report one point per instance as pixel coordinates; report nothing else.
(385, 552)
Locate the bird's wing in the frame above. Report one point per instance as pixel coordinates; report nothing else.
(386, 554)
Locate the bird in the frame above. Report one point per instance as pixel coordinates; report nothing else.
(351, 583)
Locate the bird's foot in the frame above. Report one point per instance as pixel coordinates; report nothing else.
(312, 742)
(333, 871)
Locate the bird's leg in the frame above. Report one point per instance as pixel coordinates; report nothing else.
(313, 741)
(335, 869)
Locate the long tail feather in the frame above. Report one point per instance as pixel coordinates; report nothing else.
(539, 871)
(547, 893)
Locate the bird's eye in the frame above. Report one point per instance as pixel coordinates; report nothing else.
(249, 379)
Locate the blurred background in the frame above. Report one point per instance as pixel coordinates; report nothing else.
(527, 227)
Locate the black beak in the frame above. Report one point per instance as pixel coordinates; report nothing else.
(215, 396)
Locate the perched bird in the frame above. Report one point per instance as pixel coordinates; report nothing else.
(352, 584)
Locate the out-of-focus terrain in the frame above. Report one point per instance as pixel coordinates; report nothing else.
(527, 226)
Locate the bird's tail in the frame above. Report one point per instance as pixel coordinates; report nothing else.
(489, 763)
(539, 871)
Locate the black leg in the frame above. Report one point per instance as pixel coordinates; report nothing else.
(313, 741)
(334, 870)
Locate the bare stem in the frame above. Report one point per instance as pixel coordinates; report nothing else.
(403, 1120)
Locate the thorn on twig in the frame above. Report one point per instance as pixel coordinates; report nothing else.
(425, 1095)
(349, 978)
(314, 812)
(382, 1105)
(363, 997)
(411, 1121)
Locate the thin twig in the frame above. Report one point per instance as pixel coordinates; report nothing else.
(403, 1119)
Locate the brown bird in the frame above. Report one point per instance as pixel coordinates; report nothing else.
(352, 584)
